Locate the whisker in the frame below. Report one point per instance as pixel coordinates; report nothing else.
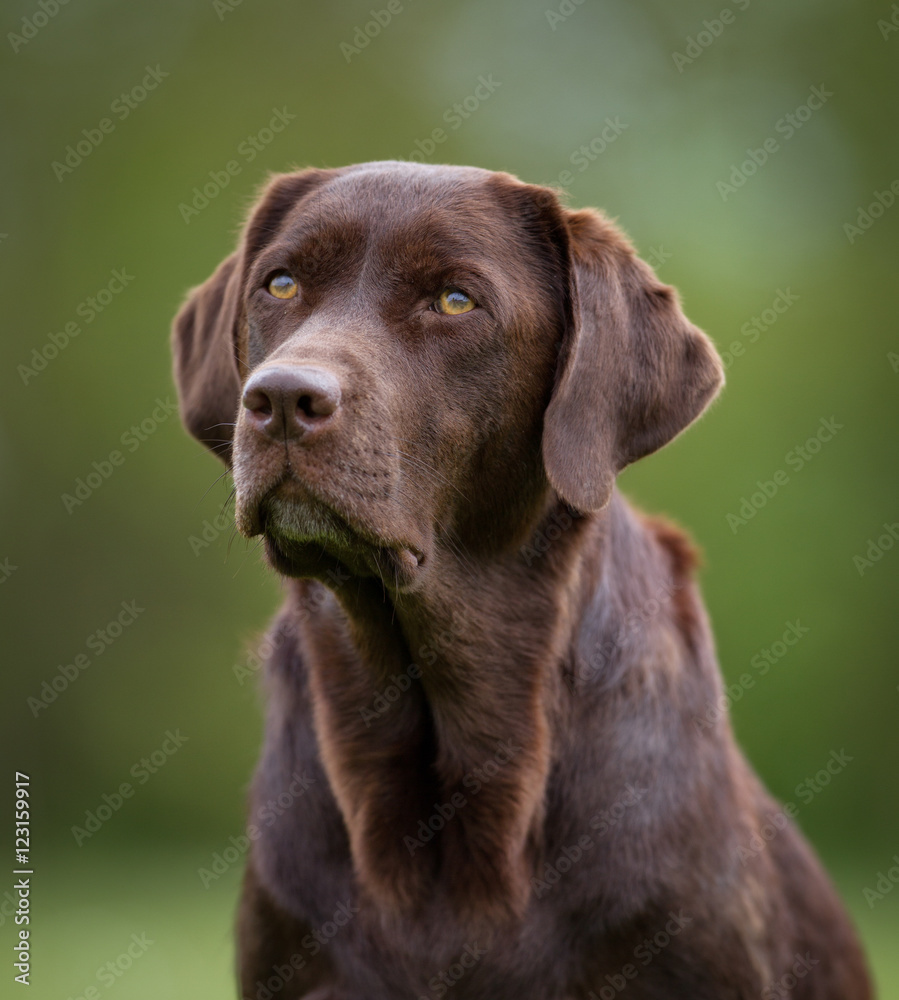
(421, 463)
(228, 500)
(230, 541)
(247, 555)
(215, 482)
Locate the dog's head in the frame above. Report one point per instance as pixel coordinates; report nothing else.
(401, 357)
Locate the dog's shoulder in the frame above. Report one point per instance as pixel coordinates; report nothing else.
(680, 558)
(680, 549)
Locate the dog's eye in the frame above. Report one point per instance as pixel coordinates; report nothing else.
(282, 286)
(453, 302)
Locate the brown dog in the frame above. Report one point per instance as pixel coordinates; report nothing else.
(489, 687)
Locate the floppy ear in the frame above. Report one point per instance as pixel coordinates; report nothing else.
(210, 326)
(204, 345)
(634, 372)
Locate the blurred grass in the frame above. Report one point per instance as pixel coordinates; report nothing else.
(97, 907)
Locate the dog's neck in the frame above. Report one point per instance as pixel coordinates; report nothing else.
(436, 724)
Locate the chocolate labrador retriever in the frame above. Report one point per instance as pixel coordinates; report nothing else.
(489, 689)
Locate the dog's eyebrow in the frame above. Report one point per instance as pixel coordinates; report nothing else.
(310, 253)
(435, 273)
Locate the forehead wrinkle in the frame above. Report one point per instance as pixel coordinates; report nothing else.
(405, 192)
(322, 237)
(428, 181)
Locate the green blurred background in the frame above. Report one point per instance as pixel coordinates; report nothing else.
(681, 125)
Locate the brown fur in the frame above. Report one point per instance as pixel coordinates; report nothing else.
(488, 668)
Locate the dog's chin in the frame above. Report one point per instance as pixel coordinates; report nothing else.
(305, 537)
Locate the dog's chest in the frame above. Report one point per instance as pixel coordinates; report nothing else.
(303, 858)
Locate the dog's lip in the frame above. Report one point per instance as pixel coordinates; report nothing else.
(396, 564)
(405, 557)
(408, 554)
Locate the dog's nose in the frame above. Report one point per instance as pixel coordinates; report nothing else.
(291, 401)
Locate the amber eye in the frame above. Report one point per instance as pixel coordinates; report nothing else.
(453, 302)
(282, 286)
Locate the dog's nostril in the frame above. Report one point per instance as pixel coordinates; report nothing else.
(318, 394)
(257, 402)
(291, 400)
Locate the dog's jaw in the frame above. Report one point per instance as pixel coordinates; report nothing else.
(305, 532)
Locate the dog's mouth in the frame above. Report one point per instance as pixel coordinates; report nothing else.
(309, 536)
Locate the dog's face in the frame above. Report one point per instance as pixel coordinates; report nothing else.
(411, 356)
